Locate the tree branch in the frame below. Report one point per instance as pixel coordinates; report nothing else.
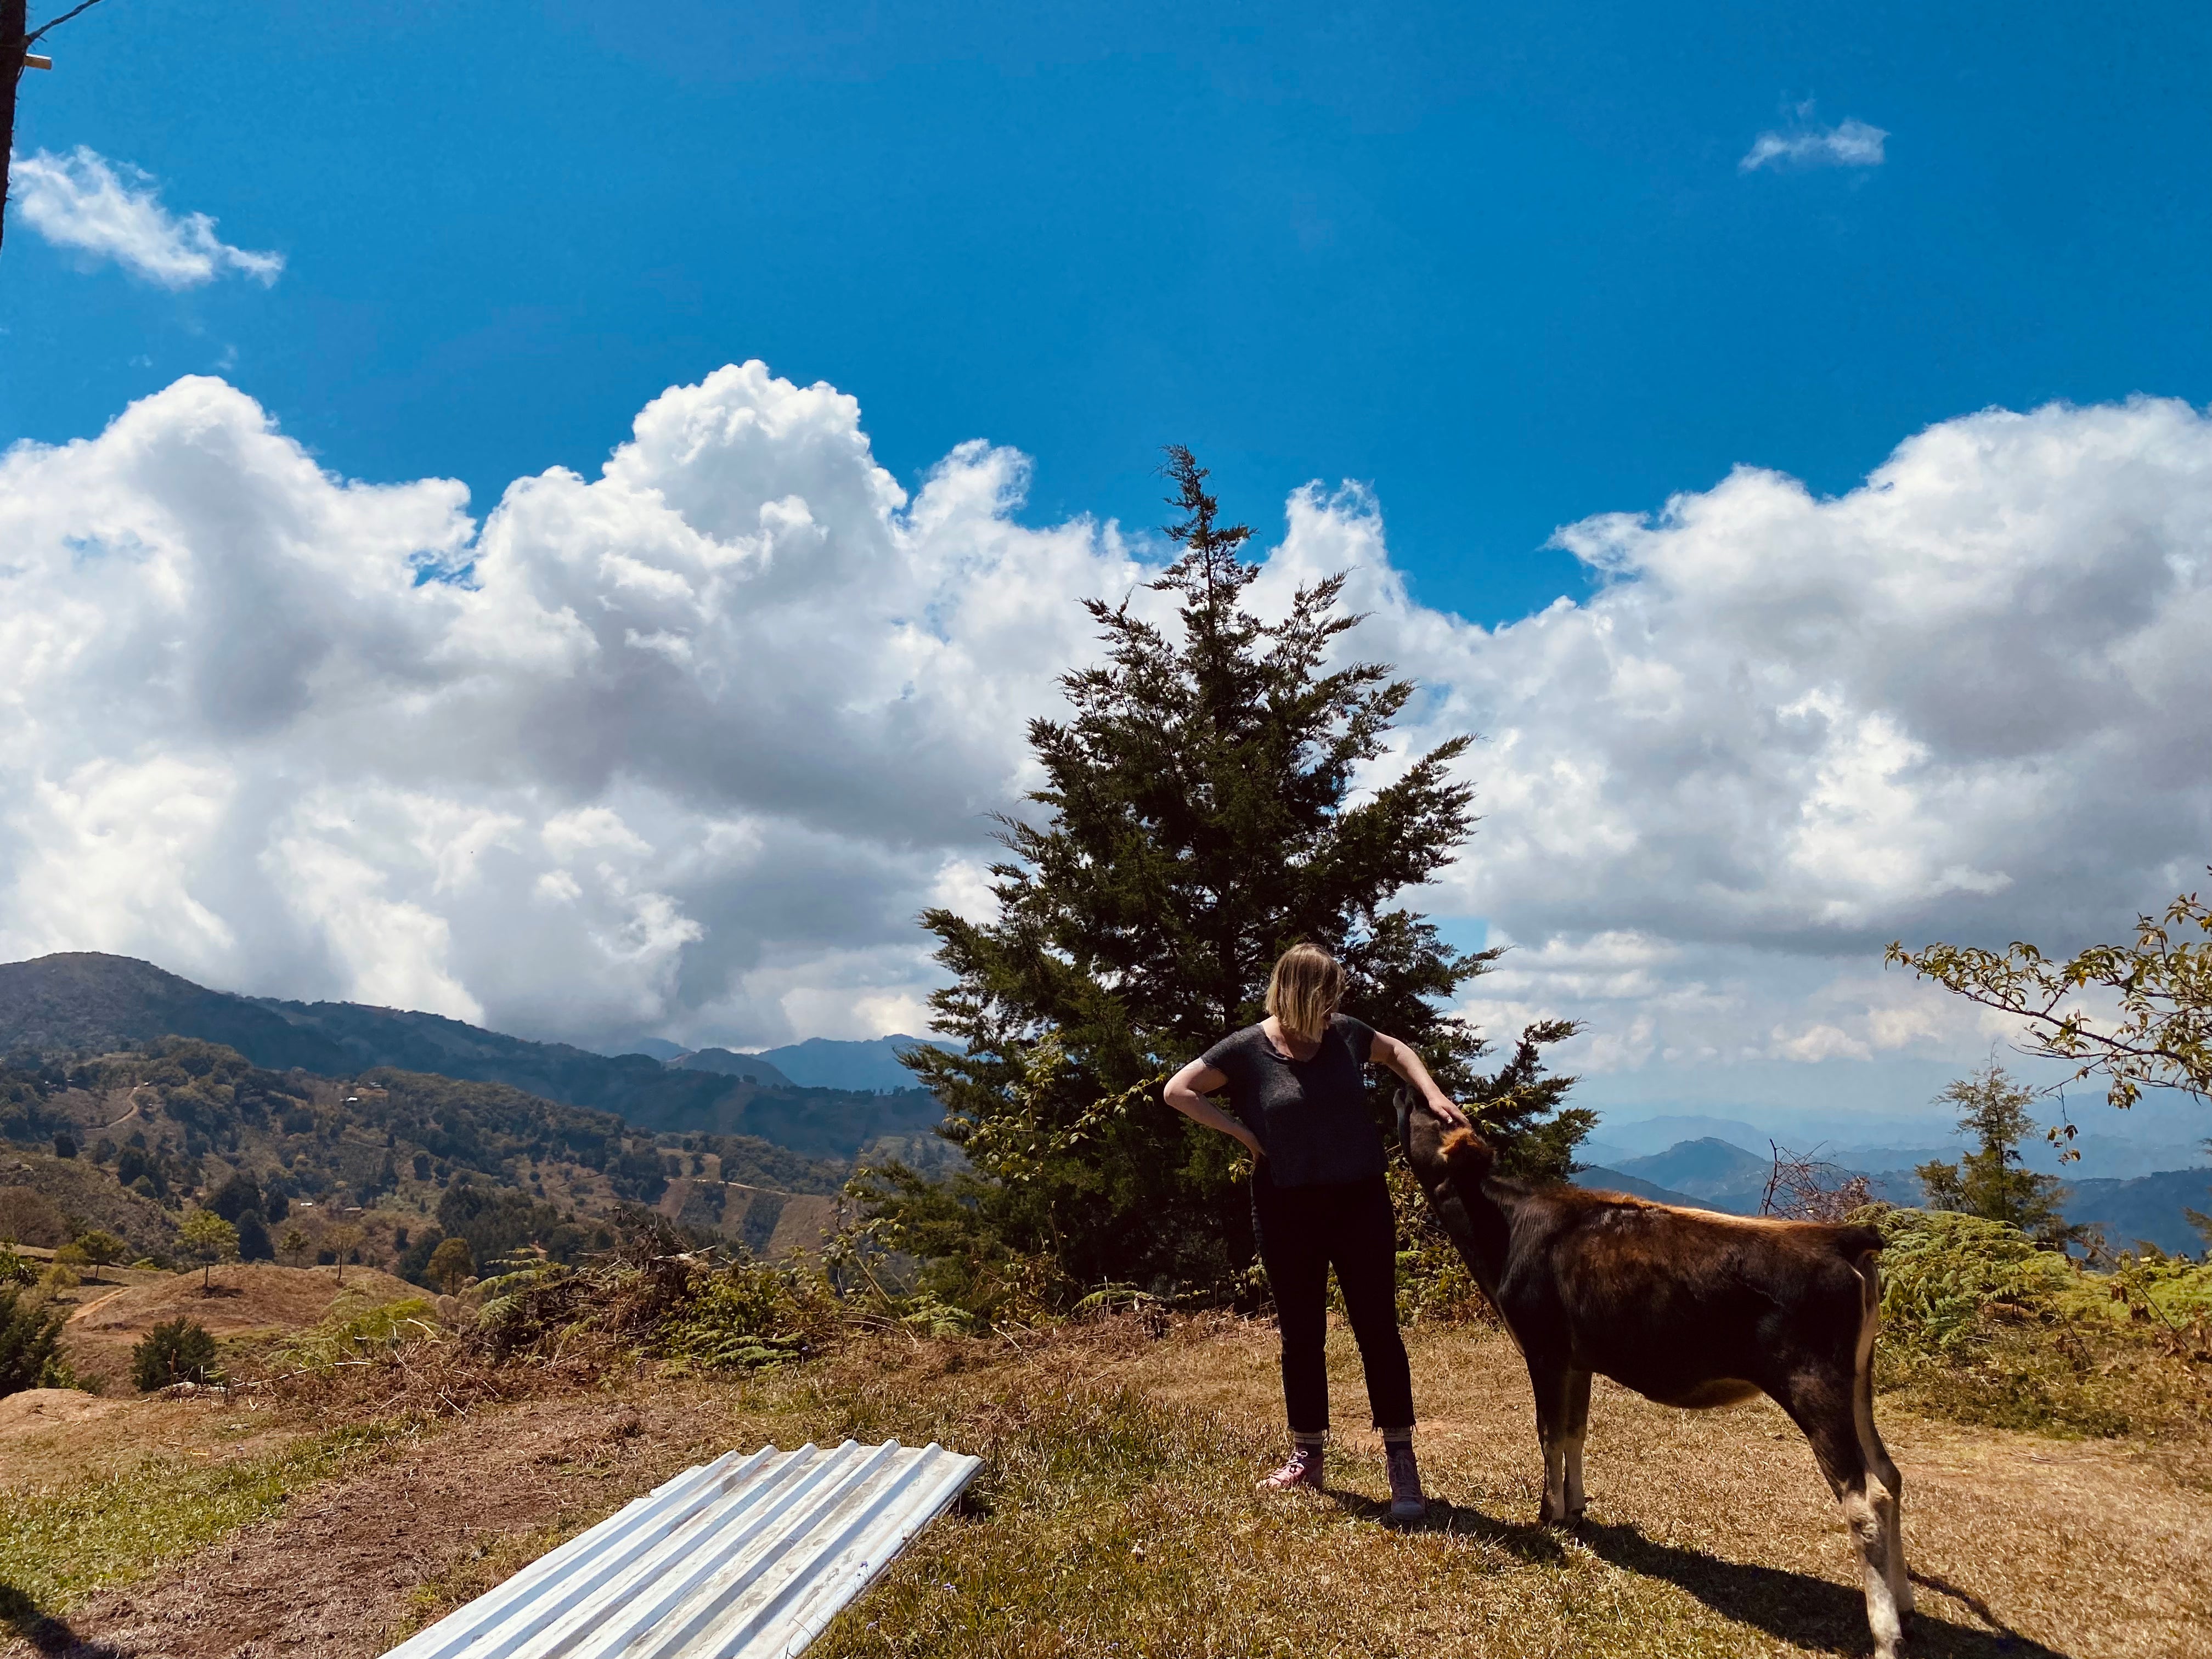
(31, 39)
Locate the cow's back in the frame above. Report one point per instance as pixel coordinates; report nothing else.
(1668, 1301)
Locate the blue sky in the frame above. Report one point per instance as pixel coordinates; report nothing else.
(1502, 263)
(681, 761)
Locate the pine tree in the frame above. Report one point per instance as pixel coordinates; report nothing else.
(1201, 812)
(1989, 1181)
(30, 1342)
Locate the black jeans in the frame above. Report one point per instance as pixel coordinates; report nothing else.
(1304, 1231)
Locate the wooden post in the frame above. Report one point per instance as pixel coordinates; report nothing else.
(15, 23)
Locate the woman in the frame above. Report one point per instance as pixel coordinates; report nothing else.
(1297, 1083)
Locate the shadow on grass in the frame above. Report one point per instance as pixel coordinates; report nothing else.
(1531, 1543)
(22, 1617)
(1799, 1608)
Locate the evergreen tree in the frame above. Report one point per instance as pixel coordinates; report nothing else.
(1990, 1181)
(1200, 814)
(30, 1342)
(179, 1349)
(451, 1265)
(238, 1193)
(254, 1243)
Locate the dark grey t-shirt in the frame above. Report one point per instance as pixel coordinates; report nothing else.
(1311, 1115)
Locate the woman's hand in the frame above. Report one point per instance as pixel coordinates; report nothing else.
(1443, 1108)
(1401, 1058)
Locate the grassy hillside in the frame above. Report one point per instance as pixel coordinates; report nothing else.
(1115, 1514)
(74, 1195)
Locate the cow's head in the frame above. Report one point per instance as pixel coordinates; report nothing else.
(1438, 1151)
(1451, 1163)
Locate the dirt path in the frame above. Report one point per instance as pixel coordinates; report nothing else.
(2023, 1546)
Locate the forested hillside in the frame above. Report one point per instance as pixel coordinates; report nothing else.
(87, 1001)
(380, 1167)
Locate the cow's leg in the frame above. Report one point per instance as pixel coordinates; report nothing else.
(1824, 1406)
(1872, 1452)
(1552, 1381)
(1577, 1425)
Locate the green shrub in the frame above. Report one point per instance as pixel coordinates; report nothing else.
(15, 1268)
(2175, 1286)
(752, 1314)
(30, 1338)
(1434, 1283)
(1981, 1325)
(177, 1351)
(1943, 1272)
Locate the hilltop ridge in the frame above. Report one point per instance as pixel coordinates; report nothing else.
(92, 1001)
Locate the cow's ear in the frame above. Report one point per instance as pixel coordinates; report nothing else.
(1468, 1154)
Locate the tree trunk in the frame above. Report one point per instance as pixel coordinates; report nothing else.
(15, 23)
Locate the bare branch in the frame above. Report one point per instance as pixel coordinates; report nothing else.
(1800, 1187)
(32, 39)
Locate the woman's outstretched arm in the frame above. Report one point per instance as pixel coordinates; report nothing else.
(1187, 1092)
(1401, 1057)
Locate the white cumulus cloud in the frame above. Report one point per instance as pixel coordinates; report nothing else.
(693, 741)
(688, 749)
(111, 210)
(1966, 701)
(1849, 144)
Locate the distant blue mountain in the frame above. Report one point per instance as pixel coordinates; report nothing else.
(825, 1063)
(1713, 1174)
(723, 1063)
(1653, 1135)
(1613, 1180)
(1708, 1168)
(2146, 1207)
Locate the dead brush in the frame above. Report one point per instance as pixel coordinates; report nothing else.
(551, 1329)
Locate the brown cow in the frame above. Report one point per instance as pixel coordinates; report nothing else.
(1687, 1308)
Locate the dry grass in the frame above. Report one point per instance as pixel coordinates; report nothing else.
(1115, 1515)
(247, 1300)
(1709, 1533)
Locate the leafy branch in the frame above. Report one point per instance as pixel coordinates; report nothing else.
(2161, 1033)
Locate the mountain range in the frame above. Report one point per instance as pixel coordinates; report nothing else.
(828, 1100)
(870, 1065)
(89, 1001)
(1713, 1174)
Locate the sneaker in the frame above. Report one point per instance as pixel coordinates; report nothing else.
(1407, 1502)
(1303, 1470)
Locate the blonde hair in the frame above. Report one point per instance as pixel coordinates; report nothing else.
(1304, 989)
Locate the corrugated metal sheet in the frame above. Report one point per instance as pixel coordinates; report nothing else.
(745, 1558)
